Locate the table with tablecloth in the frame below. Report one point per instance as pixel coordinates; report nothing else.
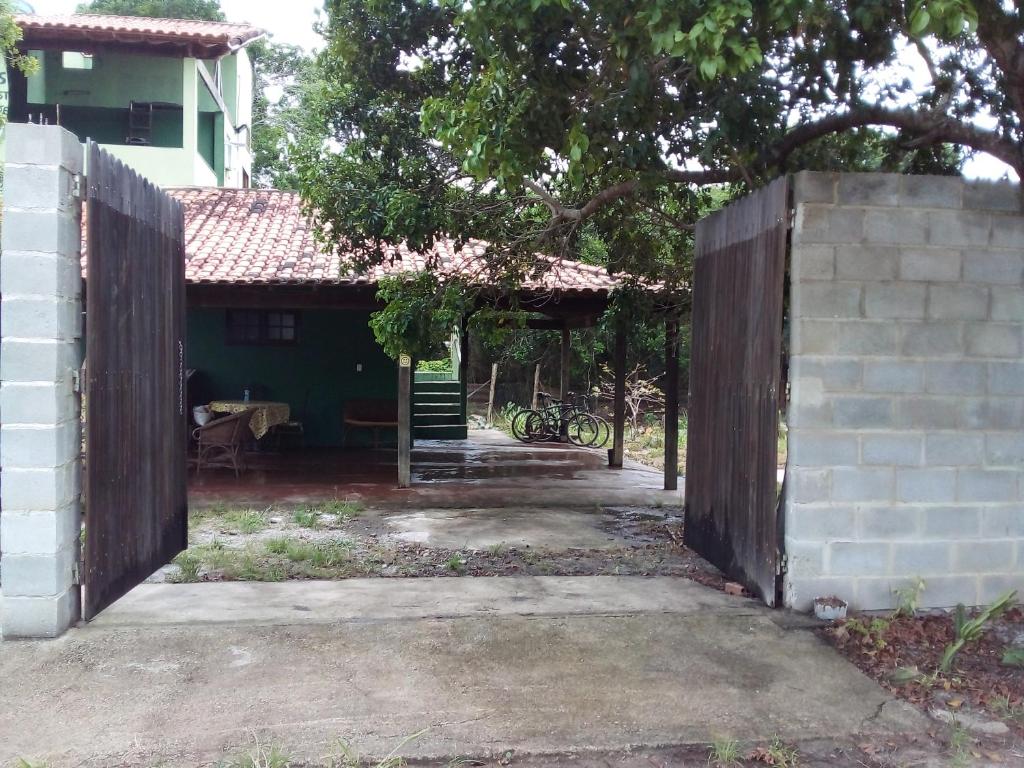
(265, 413)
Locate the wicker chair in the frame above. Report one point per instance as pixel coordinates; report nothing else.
(220, 442)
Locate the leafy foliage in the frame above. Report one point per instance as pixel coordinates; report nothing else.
(206, 10)
(419, 313)
(10, 34)
(968, 630)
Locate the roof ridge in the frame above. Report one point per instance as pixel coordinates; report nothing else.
(131, 18)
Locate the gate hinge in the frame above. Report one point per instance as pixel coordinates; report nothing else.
(783, 565)
(76, 574)
(77, 188)
(76, 381)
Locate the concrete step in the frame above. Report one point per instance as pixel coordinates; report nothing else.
(425, 408)
(441, 432)
(436, 397)
(436, 419)
(454, 387)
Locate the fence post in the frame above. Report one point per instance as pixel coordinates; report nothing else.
(40, 353)
(672, 403)
(536, 386)
(619, 406)
(404, 421)
(490, 396)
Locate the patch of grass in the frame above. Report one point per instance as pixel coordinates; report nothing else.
(188, 568)
(244, 520)
(278, 546)
(778, 754)
(497, 550)
(1004, 708)
(308, 518)
(960, 744)
(346, 756)
(343, 510)
(724, 753)
(260, 756)
(21, 762)
(455, 563)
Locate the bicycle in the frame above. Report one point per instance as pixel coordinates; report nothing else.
(557, 418)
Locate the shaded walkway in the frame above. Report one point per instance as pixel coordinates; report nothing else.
(487, 470)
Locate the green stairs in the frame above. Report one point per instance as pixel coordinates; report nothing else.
(437, 410)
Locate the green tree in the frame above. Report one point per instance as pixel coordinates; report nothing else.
(207, 10)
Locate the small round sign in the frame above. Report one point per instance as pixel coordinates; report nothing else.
(404, 361)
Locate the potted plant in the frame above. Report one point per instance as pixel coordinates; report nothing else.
(830, 608)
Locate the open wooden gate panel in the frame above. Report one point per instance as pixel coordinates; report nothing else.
(136, 503)
(732, 440)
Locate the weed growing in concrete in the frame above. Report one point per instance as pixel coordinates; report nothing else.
(960, 745)
(261, 756)
(188, 568)
(245, 521)
(778, 754)
(307, 518)
(23, 763)
(346, 756)
(724, 753)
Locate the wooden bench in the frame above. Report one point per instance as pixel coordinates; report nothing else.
(374, 414)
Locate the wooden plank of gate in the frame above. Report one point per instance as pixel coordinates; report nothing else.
(732, 442)
(136, 498)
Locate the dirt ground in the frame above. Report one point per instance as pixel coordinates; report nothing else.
(343, 539)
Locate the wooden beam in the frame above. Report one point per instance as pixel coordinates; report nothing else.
(404, 421)
(619, 406)
(672, 403)
(565, 360)
(360, 297)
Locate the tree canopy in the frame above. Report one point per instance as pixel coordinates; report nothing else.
(535, 123)
(207, 10)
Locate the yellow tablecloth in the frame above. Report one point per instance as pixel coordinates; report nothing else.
(267, 413)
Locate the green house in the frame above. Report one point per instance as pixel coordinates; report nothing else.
(170, 97)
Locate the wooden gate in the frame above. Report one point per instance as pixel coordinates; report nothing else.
(732, 440)
(136, 504)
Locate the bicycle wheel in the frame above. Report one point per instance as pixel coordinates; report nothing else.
(582, 429)
(519, 425)
(537, 427)
(604, 433)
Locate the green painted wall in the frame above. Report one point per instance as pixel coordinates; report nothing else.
(321, 367)
(114, 80)
(207, 139)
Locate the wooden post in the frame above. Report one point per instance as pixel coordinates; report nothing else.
(671, 403)
(619, 406)
(464, 371)
(536, 386)
(404, 421)
(490, 397)
(566, 348)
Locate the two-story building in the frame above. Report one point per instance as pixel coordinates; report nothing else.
(170, 97)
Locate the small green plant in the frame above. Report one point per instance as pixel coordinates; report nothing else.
(307, 518)
(724, 753)
(245, 520)
(969, 630)
(330, 554)
(342, 510)
(872, 631)
(1004, 707)
(260, 756)
(778, 754)
(1013, 657)
(346, 756)
(188, 568)
(278, 546)
(21, 762)
(908, 598)
(455, 563)
(498, 549)
(960, 745)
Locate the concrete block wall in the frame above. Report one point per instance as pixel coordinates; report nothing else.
(906, 415)
(40, 351)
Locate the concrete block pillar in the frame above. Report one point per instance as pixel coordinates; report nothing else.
(40, 352)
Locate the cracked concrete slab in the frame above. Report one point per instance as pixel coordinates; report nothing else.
(606, 663)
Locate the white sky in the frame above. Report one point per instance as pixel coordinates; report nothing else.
(292, 22)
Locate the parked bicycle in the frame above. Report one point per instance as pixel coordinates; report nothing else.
(571, 418)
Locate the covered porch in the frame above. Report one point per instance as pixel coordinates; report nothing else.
(486, 469)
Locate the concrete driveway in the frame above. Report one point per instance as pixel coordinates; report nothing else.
(189, 674)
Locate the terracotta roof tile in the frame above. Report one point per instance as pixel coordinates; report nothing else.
(262, 236)
(217, 37)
